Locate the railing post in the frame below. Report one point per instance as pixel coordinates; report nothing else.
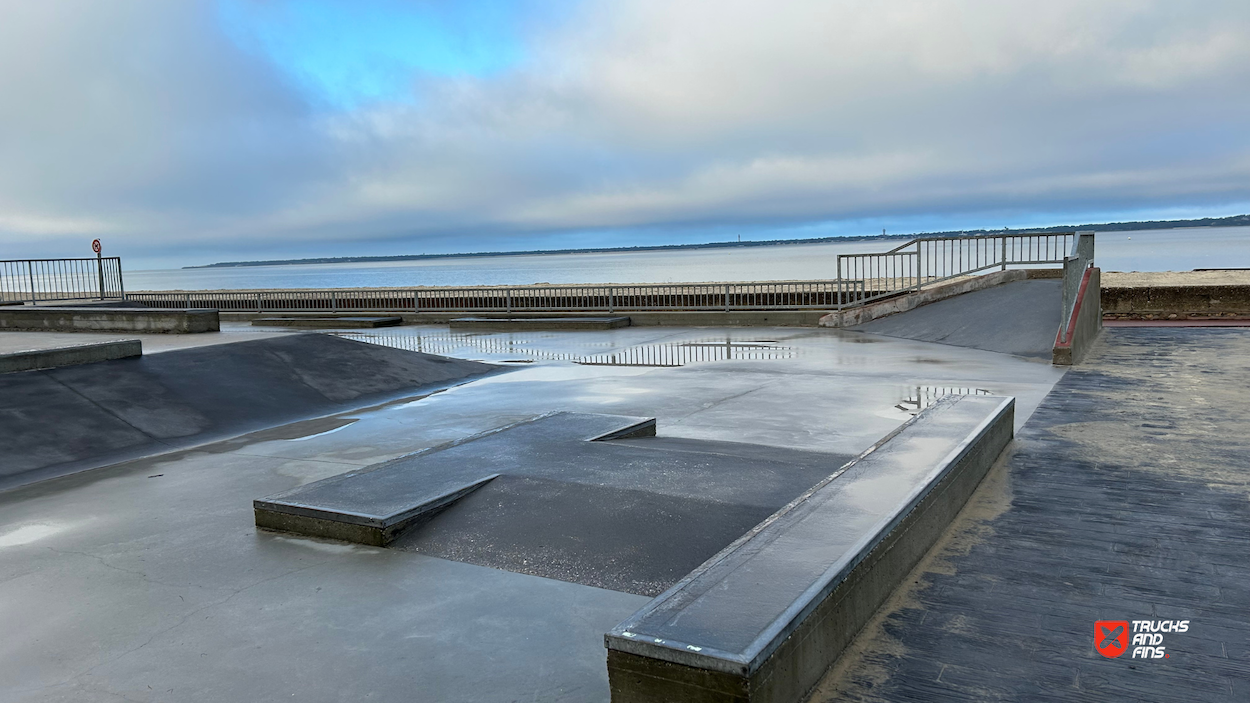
(839, 301)
(611, 299)
(1003, 258)
(726, 297)
(258, 309)
(30, 271)
(509, 301)
(919, 264)
(121, 286)
(334, 301)
(186, 301)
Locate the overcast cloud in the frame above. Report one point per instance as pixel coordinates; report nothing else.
(184, 132)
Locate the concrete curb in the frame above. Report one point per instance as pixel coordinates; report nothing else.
(69, 356)
(344, 322)
(814, 573)
(100, 319)
(910, 301)
(540, 323)
(645, 318)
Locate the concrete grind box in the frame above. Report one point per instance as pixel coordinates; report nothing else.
(765, 618)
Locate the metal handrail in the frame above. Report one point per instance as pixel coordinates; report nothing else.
(925, 261)
(42, 280)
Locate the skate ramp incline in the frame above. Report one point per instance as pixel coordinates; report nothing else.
(58, 421)
(1018, 318)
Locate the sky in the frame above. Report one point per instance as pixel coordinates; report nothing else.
(197, 131)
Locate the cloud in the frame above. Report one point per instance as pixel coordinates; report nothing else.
(223, 129)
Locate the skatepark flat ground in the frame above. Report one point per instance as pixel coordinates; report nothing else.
(148, 580)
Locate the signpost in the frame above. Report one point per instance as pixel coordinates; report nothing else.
(99, 264)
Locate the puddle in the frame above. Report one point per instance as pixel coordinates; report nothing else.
(683, 353)
(917, 398)
(28, 533)
(528, 350)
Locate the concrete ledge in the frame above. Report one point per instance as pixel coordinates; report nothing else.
(653, 318)
(328, 322)
(909, 301)
(100, 319)
(540, 323)
(763, 619)
(69, 356)
(1076, 337)
(375, 504)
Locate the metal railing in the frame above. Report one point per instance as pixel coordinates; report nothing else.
(37, 280)
(772, 295)
(925, 261)
(861, 279)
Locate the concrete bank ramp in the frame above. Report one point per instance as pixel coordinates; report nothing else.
(57, 421)
(1018, 318)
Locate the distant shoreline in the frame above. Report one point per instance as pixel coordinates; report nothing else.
(1234, 221)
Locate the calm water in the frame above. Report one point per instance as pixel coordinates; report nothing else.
(1151, 250)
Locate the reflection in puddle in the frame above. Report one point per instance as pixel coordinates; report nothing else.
(682, 353)
(917, 398)
(668, 354)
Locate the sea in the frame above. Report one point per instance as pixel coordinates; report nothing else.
(1147, 250)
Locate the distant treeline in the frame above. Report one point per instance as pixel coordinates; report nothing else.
(1234, 221)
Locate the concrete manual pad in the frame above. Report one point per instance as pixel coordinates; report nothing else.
(578, 497)
(62, 420)
(541, 323)
(73, 355)
(329, 322)
(1019, 318)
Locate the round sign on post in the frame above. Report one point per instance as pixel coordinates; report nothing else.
(95, 246)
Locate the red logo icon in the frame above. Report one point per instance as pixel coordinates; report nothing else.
(1111, 637)
(95, 245)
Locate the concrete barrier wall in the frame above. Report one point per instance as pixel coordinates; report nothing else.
(1176, 301)
(100, 319)
(765, 618)
(1073, 341)
(69, 356)
(909, 301)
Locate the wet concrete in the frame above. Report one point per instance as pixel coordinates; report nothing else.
(1125, 499)
(148, 579)
(1019, 318)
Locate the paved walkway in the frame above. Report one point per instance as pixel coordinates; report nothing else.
(1125, 499)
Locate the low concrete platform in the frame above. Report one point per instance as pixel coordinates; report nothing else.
(109, 319)
(764, 619)
(30, 360)
(329, 322)
(594, 499)
(540, 323)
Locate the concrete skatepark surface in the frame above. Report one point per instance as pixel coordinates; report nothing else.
(632, 515)
(71, 418)
(148, 579)
(1019, 318)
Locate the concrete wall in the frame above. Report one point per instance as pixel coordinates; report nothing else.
(99, 319)
(909, 301)
(659, 318)
(1176, 301)
(69, 356)
(1072, 342)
